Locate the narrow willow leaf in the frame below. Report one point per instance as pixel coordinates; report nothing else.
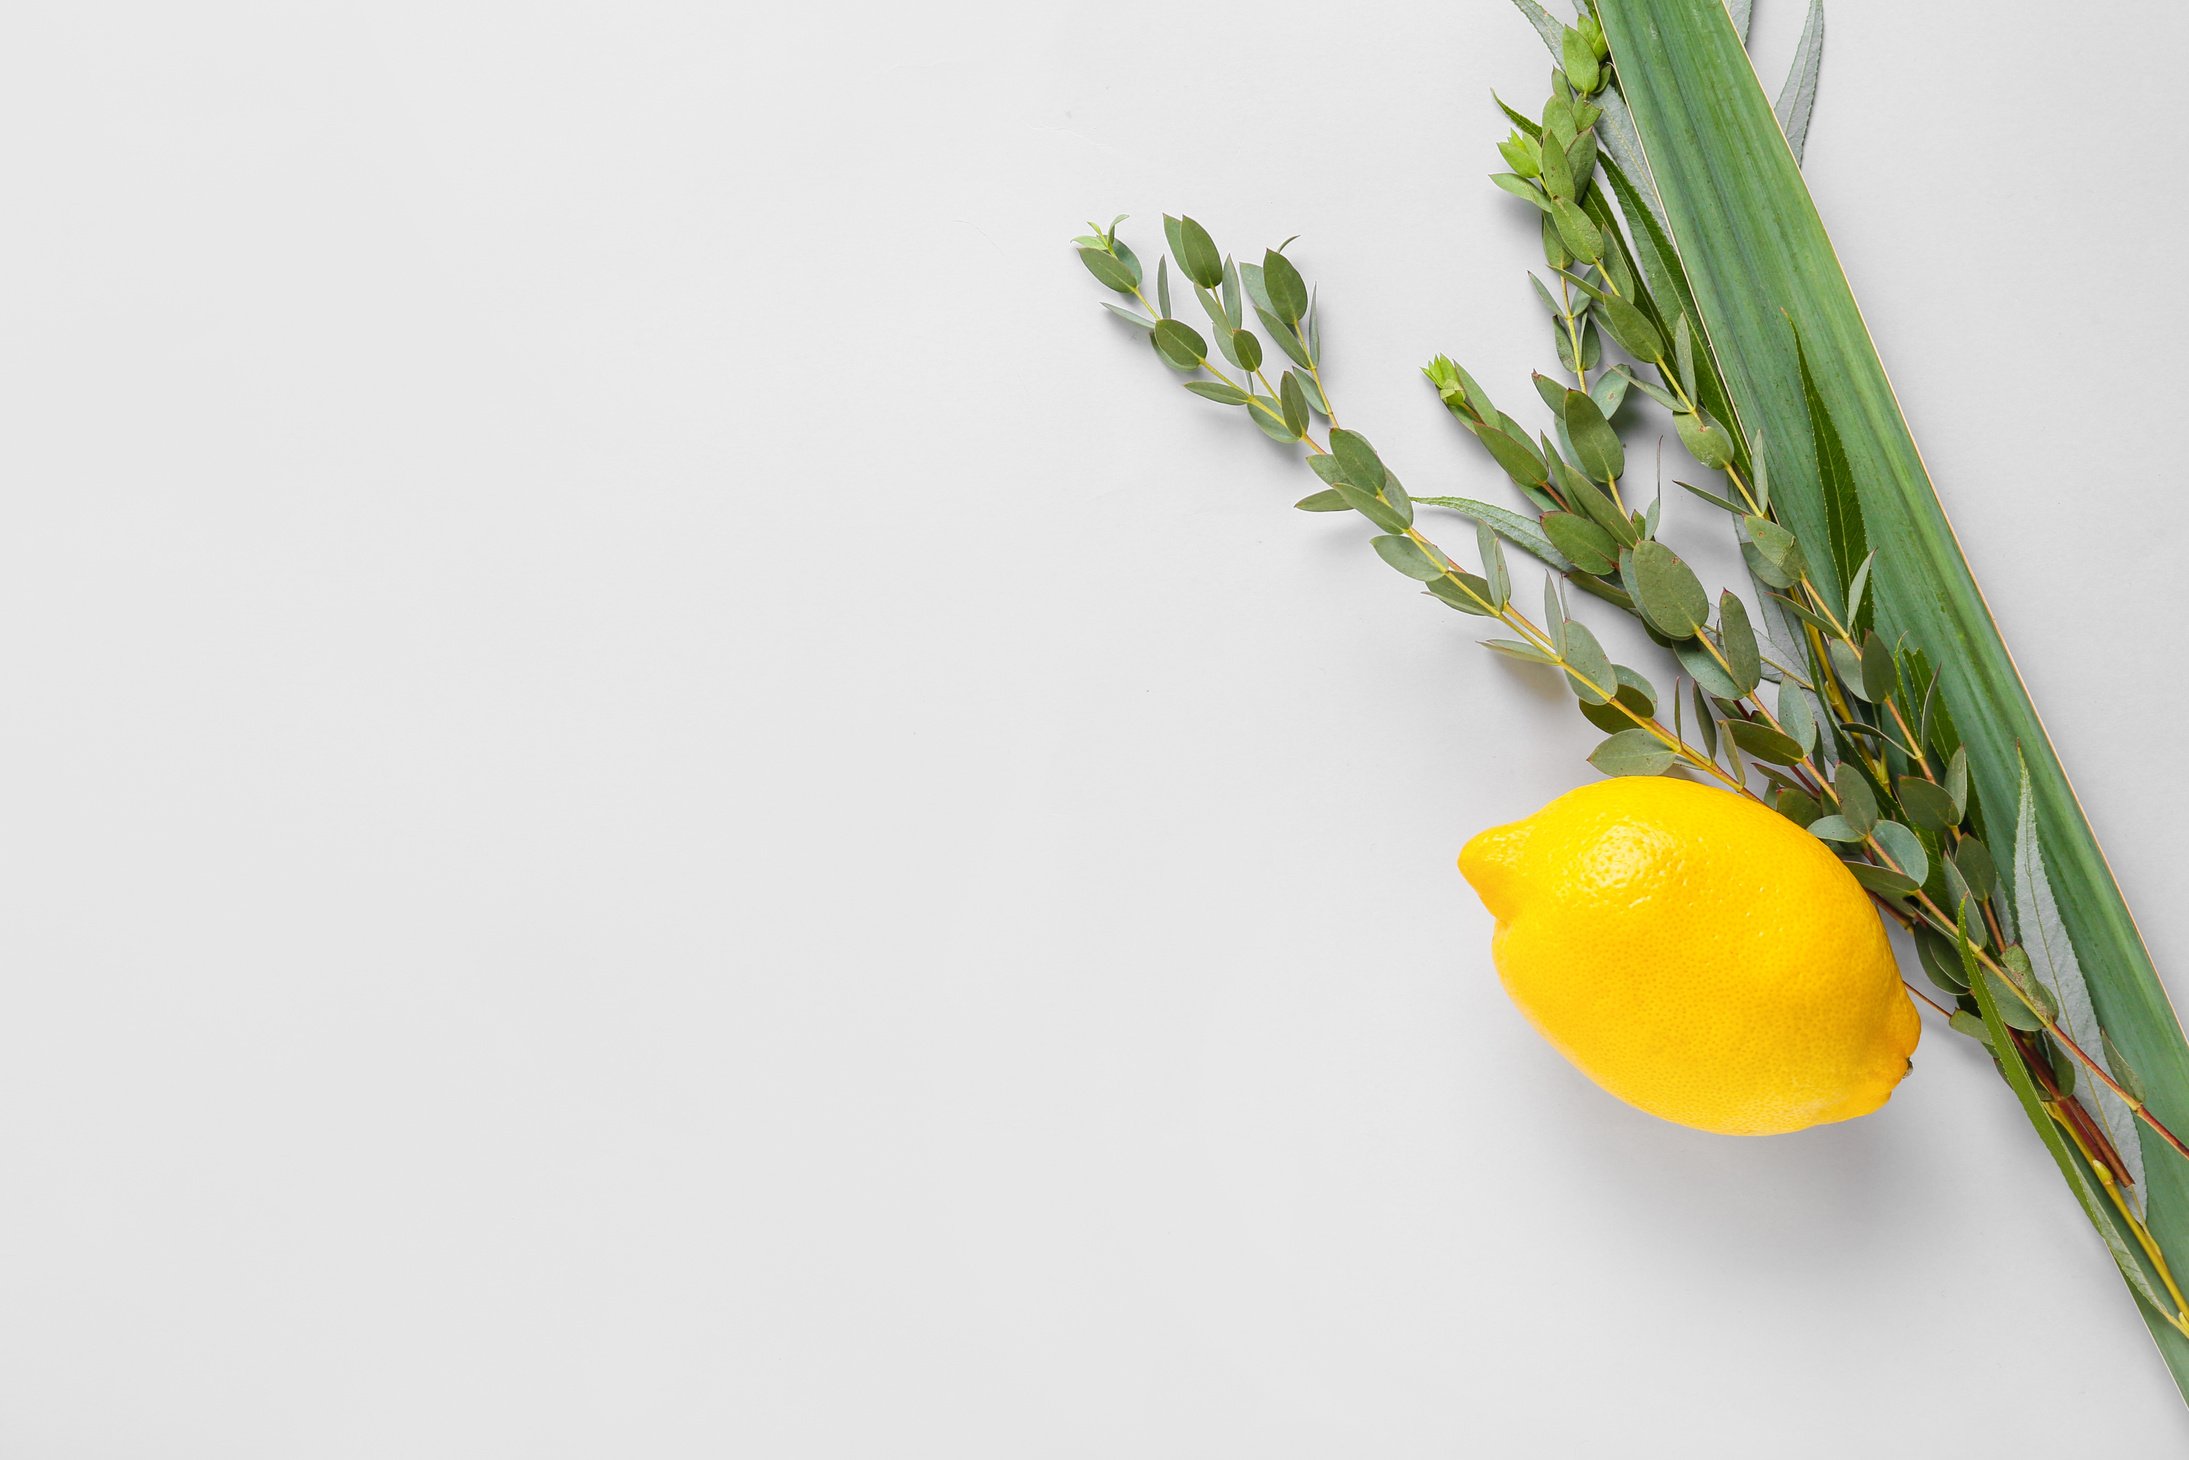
(1548, 26)
(1216, 390)
(1324, 501)
(1554, 615)
(1514, 649)
(1993, 1010)
(1522, 532)
(1844, 530)
(1799, 97)
(1163, 286)
(1632, 752)
(1738, 9)
(1957, 781)
(2052, 959)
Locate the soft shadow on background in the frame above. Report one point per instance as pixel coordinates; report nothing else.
(666, 801)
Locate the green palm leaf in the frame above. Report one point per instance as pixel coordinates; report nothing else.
(1770, 291)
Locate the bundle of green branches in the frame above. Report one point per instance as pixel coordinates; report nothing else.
(1862, 691)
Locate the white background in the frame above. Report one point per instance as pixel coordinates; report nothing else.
(661, 800)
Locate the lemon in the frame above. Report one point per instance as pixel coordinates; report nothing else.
(1697, 955)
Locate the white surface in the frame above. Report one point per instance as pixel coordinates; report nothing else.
(663, 801)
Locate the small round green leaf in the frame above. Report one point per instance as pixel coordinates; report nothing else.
(1672, 597)
(1632, 752)
(1180, 344)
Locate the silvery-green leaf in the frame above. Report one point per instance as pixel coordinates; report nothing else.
(1286, 290)
(1704, 670)
(1834, 829)
(1738, 640)
(1328, 500)
(1494, 571)
(1856, 801)
(1114, 273)
(1796, 718)
(1588, 667)
(1408, 556)
(1799, 96)
(1977, 869)
(1670, 594)
(1294, 401)
(1554, 615)
(1357, 460)
(1218, 391)
(1522, 532)
(1624, 146)
(1581, 542)
(1882, 879)
(1548, 26)
(1905, 848)
(1763, 742)
(1738, 9)
(1467, 593)
(1632, 752)
(1927, 804)
(1132, 317)
(2052, 959)
(1957, 782)
(1855, 588)
(1195, 251)
(1514, 649)
(1369, 505)
(1609, 390)
(1180, 345)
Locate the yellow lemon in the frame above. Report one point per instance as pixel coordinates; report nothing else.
(1697, 955)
